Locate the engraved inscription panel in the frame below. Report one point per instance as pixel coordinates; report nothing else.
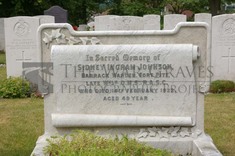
(125, 80)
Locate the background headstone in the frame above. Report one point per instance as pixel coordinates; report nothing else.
(203, 17)
(171, 20)
(45, 19)
(126, 23)
(223, 47)
(20, 43)
(103, 22)
(60, 14)
(151, 22)
(82, 27)
(2, 36)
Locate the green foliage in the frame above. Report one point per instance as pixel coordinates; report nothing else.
(79, 11)
(136, 7)
(178, 6)
(221, 86)
(14, 87)
(22, 7)
(85, 143)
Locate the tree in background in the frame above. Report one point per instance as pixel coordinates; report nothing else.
(179, 6)
(80, 11)
(140, 7)
(136, 7)
(10, 8)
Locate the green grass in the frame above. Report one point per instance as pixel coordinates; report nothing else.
(21, 123)
(3, 73)
(2, 58)
(220, 121)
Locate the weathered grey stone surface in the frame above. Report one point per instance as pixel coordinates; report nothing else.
(2, 36)
(151, 22)
(171, 20)
(178, 122)
(60, 14)
(20, 41)
(223, 47)
(45, 19)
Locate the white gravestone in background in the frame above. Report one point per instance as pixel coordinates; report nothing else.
(46, 19)
(21, 41)
(126, 23)
(203, 17)
(129, 83)
(171, 20)
(151, 22)
(112, 22)
(21, 45)
(2, 36)
(223, 47)
(83, 27)
(102, 23)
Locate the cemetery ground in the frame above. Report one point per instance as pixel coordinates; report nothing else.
(21, 122)
(2, 58)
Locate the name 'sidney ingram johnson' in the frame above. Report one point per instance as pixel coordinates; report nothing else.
(128, 70)
(117, 70)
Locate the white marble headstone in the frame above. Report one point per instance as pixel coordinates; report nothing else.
(223, 47)
(46, 19)
(151, 22)
(20, 41)
(96, 83)
(126, 23)
(2, 36)
(171, 20)
(203, 17)
(82, 27)
(102, 23)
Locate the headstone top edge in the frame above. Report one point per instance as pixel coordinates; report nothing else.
(55, 6)
(224, 16)
(122, 32)
(203, 14)
(25, 17)
(168, 15)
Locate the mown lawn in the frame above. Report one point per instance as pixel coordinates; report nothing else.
(220, 121)
(21, 122)
(2, 58)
